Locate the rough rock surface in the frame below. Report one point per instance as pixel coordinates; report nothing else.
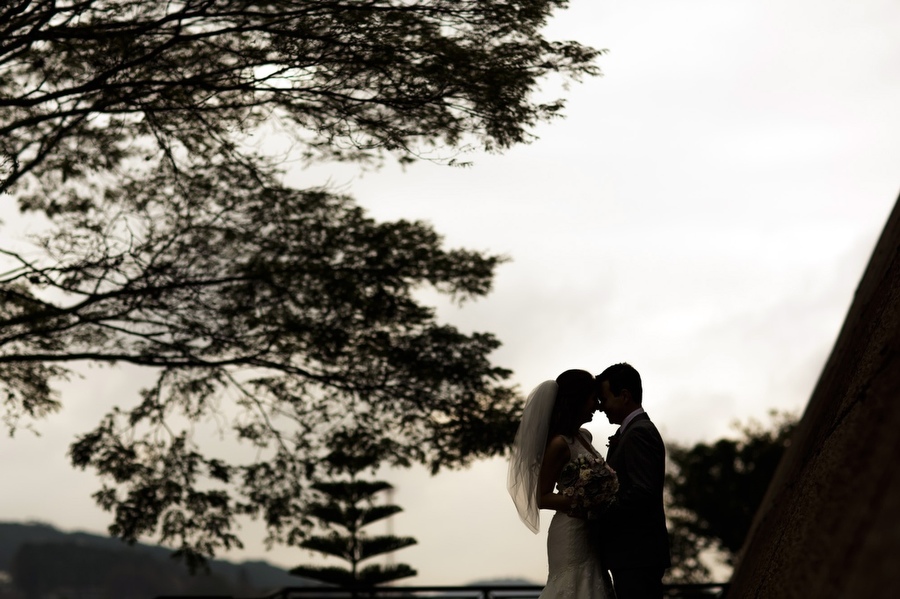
(830, 523)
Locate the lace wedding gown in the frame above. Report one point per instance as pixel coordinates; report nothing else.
(575, 569)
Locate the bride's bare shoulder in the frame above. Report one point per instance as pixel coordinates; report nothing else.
(557, 442)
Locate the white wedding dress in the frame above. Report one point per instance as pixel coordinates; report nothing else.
(575, 569)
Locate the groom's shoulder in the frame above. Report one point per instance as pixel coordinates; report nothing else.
(644, 424)
(642, 420)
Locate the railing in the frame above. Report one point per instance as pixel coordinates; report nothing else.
(671, 591)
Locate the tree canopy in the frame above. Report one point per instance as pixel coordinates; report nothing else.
(138, 131)
(714, 490)
(292, 304)
(347, 506)
(95, 87)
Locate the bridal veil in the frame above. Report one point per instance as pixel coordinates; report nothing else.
(528, 453)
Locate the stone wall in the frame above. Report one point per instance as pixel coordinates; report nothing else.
(830, 523)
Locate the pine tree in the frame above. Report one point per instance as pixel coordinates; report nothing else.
(348, 506)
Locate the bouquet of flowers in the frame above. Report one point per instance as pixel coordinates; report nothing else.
(591, 484)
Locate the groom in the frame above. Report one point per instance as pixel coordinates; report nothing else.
(631, 536)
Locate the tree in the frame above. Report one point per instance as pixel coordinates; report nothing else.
(715, 489)
(347, 506)
(292, 304)
(172, 242)
(90, 88)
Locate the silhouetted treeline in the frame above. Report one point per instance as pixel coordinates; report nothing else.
(42, 561)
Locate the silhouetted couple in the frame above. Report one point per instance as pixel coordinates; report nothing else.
(597, 529)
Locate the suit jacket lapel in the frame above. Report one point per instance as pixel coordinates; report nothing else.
(613, 444)
(616, 440)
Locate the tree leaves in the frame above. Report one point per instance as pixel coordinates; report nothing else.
(715, 489)
(287, 316)
(347, 505)
(90, 88)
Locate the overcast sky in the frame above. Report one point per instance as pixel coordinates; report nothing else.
(704, 212)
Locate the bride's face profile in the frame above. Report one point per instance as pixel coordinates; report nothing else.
(575, 403)
(591, 405)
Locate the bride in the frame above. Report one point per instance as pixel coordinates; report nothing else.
(549, 437)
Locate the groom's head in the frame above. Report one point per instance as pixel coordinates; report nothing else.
(620, 391)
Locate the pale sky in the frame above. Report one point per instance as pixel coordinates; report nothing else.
(704, 212)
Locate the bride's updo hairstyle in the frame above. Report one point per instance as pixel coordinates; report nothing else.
(575, 387)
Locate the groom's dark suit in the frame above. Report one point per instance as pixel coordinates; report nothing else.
(632, 536)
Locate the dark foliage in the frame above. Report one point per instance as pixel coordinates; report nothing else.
(88, 86)
(347, 508)
(173, 244)
(347, 505)
(293, 304)
(715, 489)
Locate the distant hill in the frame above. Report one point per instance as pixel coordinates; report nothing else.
(47, 544)
(114, 569)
